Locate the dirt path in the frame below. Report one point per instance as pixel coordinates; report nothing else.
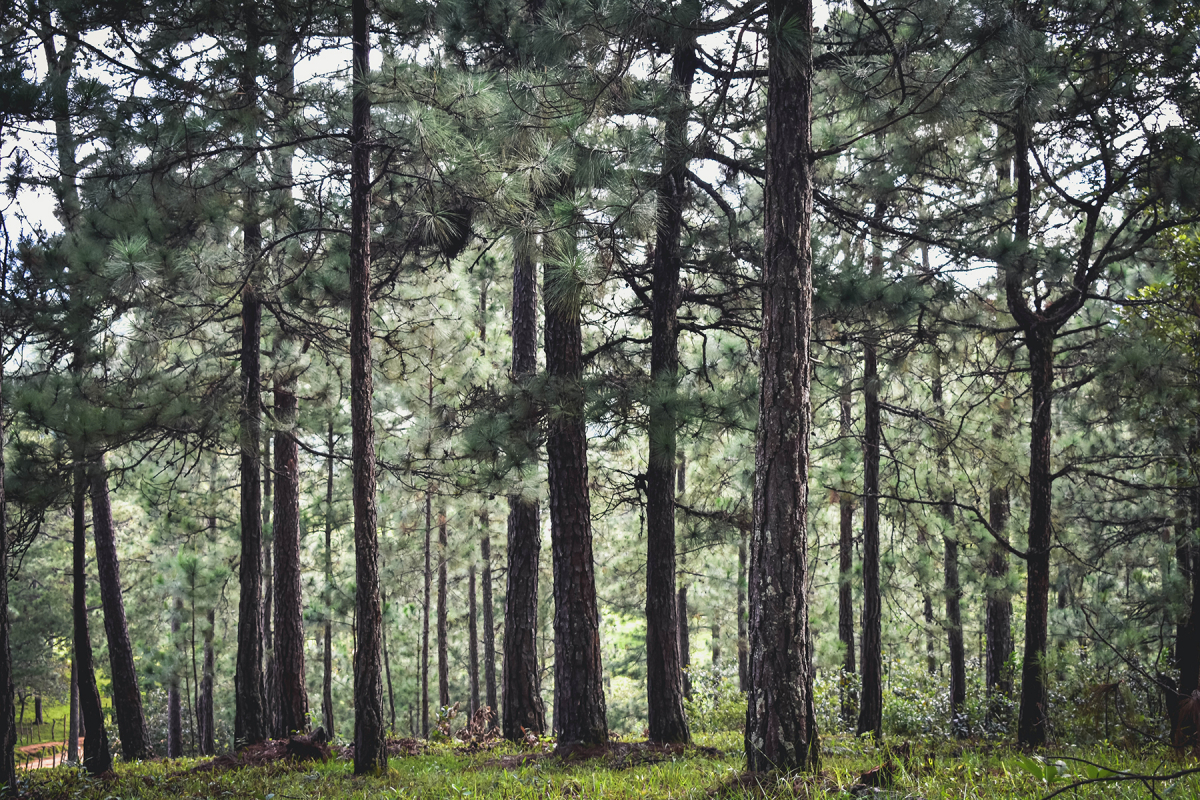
(43, 754)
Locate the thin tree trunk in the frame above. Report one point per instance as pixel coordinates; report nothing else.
(204, 710)
(473, 643)
(127, 697)
(271, 671)
(174, 707)
(849, 693)
(578, 677)
(96, 756)
(715, 634)
(489, 622)
(327, 677)
(289, 602)
(387, 671)
(999, 611)
(743, 637)
(781, 728)
(425, 615)
(953, 591)
(370, 755)
(8, 725)
(443, 615)
(870, 713)
(666, 660)
(73, 719)
(521, 694)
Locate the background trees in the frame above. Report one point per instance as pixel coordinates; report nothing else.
(201, 256)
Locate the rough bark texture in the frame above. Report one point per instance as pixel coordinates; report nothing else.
(370, 754)
(289, 603)
(8, 724)
(781, 728)
(127, 697)
(664, 667)
(271, 670)
(1031, 725)
(520, 693)
(578, 679)
(73, 718)
(96, 756)
(998, 622)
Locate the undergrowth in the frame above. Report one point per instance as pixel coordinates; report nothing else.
(933, 769)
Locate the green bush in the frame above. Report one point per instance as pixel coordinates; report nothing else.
(716, 704)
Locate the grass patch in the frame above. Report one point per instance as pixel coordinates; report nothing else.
(930, 770)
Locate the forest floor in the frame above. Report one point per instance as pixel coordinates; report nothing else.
(712, 770)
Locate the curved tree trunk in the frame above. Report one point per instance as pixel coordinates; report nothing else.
(96, 756)
(370, 754)
(781, 727)
(127, 697)
(578, 678)
(520, 693)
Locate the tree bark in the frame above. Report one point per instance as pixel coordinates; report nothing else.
(127, 697)
(370, 754)
(743, 635)
(781, 728)
(473, 643)
(578, 677)
(443, 614)
(174, 706)
(97, 759)
(998, 621)
(271, 671)
(425, 615)
(73, 718)
(8, 724)
(327, 677)
(665, 658)
(521, 694)
(289, 603)
(489, 623)
(204, 710)
(848, 691)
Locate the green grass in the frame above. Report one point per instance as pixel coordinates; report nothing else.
(936, 771)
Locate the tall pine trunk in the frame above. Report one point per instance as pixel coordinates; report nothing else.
(205, 721)
(127, 697)
(578, 678)
(781, 726)
(73, 715)
(289, 604)
(96, 756)
(848, 691)
(250, 712)
(664, 664)
(472, 640)
(327, 599)
(370, 754)
(8, 724)
(443, 613)
(998, 621)
(743, 635)
(521, 694)
(425, 615)
(174, 706)
(489, 622)
(953, 591)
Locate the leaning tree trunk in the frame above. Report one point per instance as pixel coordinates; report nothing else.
(781, 726)
(578, 678)
(8, 724)
(370, 754)
(521, 694)
(289, 604)
(96, 756)
(664, 665)
(127, 697)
